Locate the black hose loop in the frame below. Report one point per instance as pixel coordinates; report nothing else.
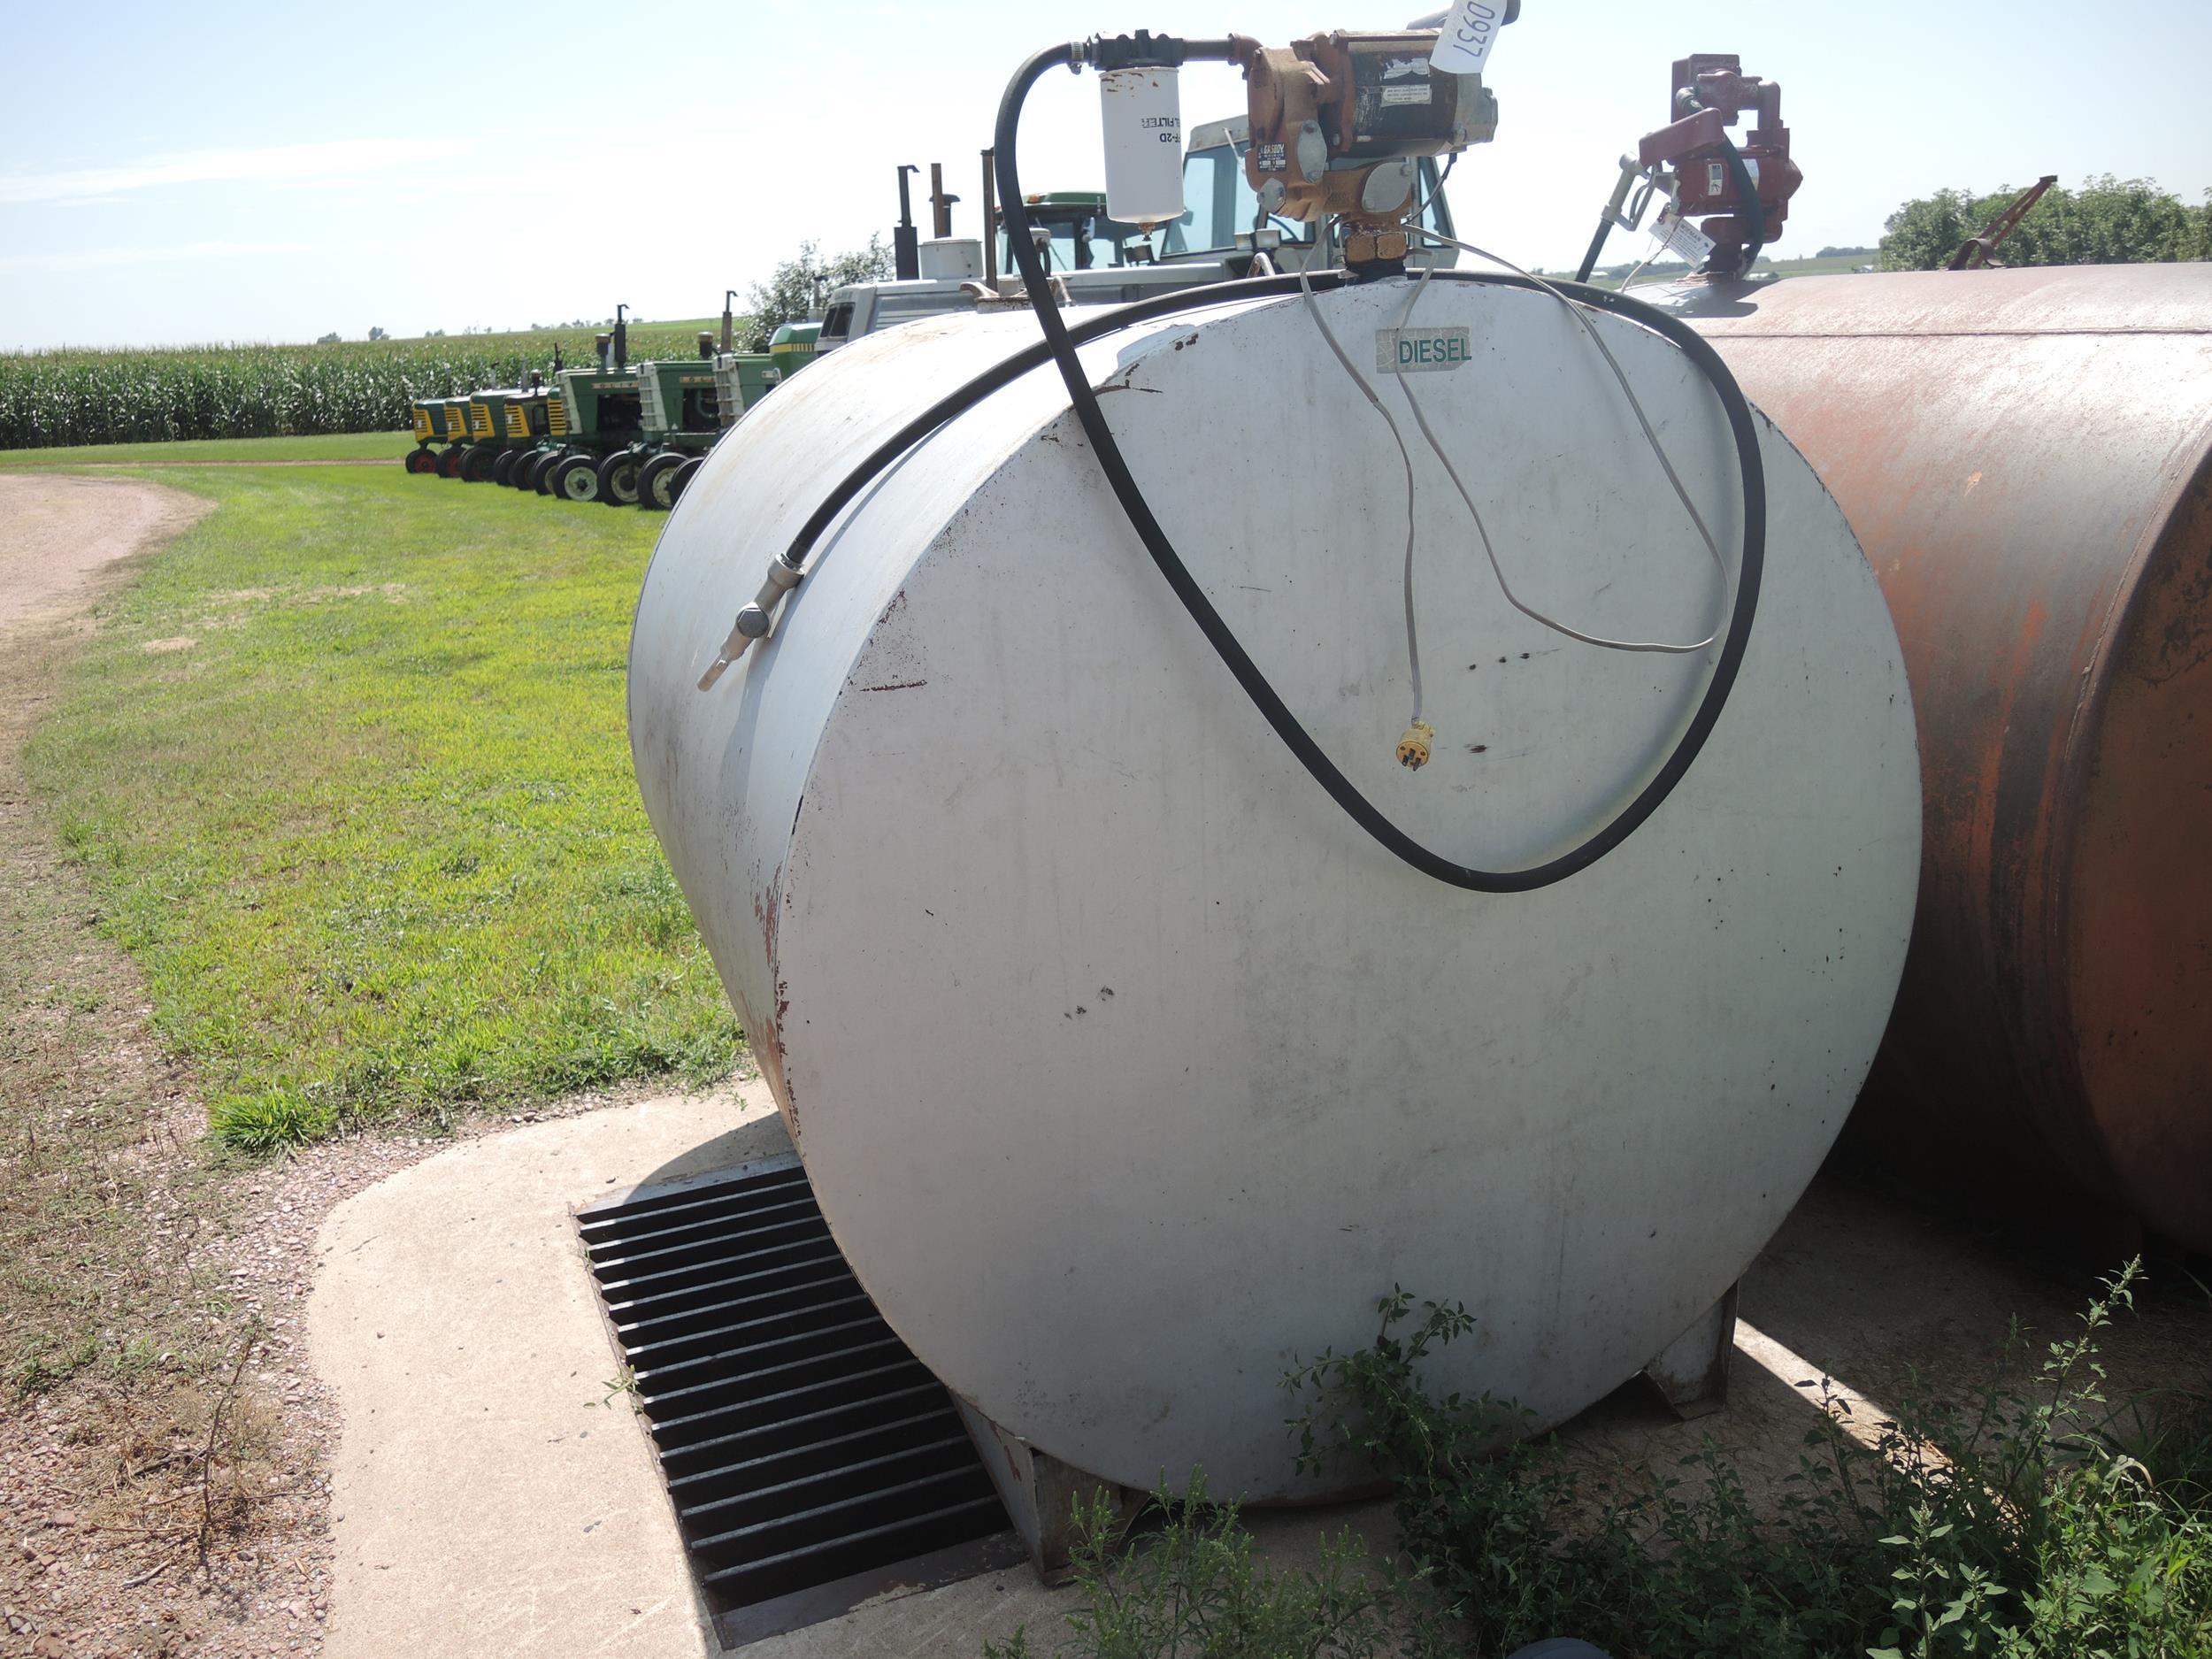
(1103, 320)
(1249, 675)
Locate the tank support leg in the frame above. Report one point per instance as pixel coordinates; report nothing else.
(1691, 1372)
(1042, 1494)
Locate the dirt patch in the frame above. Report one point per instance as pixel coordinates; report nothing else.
(56, 534)
(1869, 1298)
(163, 1445)
(335, 460)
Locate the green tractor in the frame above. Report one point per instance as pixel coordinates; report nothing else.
(678, 417)
(603, 418)
(592, 417)
(428, 430)
(741, 379)
(602, 407)
(684, 418)
(495, 441)
(685, 406)
(537, 421)
(630, 433)
(791, 348)
(509, 422)
(636, 433)
(448, 419)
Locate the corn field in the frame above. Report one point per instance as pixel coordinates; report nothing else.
(249, 391)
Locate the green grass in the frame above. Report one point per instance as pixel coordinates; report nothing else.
(1834, 265)
(324, 447)
(347, 770)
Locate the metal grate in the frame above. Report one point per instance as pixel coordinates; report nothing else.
(812, 1460)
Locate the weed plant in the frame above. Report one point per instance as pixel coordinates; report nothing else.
(2034, 1519)
(1193, 1588)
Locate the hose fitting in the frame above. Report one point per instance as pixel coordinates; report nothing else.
(1142, 51)
(755, 620)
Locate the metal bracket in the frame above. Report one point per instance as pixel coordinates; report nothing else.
(1041, 1493)
(1691, 1372)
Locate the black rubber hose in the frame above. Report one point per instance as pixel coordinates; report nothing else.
(1597, 246)
(1256, 685)
(1102, 321)
(1748, 193)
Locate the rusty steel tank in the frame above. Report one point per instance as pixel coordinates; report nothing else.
(2026, 457)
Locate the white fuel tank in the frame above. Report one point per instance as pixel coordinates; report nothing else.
(1128, 1070)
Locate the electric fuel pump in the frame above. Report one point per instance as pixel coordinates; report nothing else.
(1723, 202)
(1338, 122)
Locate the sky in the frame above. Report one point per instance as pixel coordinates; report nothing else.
(176, 173)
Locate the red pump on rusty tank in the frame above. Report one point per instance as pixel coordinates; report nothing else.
(1741, 193)
(2026, 457)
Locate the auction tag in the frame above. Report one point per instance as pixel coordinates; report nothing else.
(1403, 350)
(1677, 236)
(1464, 43)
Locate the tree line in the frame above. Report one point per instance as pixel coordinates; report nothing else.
(2107, 221)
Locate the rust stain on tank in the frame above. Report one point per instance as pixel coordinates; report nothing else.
(766, 1036)
(2026, 457)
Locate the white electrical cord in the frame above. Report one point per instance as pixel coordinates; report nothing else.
(1658, 450)
(1413, 639)
(1466, 495)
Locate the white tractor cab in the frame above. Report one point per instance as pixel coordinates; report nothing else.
(1099, 261)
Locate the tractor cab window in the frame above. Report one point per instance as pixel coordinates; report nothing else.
(1428, 186)
(1220, 204)
(837, 322)
(1082, 239)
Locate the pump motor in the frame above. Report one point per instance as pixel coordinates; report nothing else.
(1337, 120)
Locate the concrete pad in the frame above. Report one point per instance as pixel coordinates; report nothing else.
(953, 1621)
(490, 1499)
(489, 1496)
